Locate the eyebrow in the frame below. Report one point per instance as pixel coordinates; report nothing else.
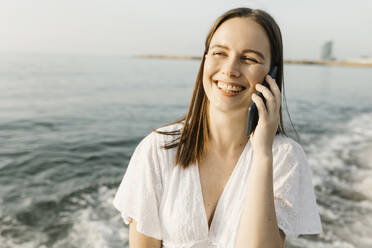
(244, 51)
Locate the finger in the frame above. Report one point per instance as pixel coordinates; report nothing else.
(275, 90)
(269, 97)
(262, 112)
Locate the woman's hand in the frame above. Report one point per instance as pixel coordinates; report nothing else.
(263, 137)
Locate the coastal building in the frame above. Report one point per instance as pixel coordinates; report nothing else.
(326, 53)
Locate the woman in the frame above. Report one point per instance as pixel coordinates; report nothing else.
(211, 185)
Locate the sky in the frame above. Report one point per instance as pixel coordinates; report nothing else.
(172, 27)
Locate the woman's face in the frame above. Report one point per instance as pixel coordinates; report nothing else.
(239, 53)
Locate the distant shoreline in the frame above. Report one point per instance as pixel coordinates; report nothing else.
(286, 61)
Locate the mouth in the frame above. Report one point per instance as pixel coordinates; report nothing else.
(229, 88)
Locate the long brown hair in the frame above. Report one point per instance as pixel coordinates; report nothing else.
(193, 137)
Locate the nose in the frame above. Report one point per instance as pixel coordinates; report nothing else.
(231, 67)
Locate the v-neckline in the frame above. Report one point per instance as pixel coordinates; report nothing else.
(201, 197)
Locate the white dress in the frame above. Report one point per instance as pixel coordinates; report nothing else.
(167, 202)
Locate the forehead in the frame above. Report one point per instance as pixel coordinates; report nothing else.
(242, 33)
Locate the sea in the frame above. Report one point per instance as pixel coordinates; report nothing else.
(70, 123)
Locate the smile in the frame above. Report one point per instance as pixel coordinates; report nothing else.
(228, 89)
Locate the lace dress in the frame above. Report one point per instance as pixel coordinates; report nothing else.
(167, 202)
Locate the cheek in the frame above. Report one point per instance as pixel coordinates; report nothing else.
(210, 66)
(256, 74)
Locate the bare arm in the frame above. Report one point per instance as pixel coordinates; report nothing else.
(139, 240)
(258, 225)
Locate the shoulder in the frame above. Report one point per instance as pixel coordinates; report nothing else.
(283, 143)
(153, 138)
(152, 145)
(171, 127)
(288, 150)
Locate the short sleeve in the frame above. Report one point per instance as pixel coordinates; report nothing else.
(138, 195)
(294, 198)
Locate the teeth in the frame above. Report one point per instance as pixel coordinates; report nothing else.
(229, 87)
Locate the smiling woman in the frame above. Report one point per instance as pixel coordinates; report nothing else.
(234, 60)
(211, 185)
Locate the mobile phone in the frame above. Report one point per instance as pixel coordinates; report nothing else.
(253, 111)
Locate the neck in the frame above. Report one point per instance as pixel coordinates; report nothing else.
(227, 130)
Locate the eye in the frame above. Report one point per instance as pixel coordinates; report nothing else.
(249, 59)
(218, 53)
